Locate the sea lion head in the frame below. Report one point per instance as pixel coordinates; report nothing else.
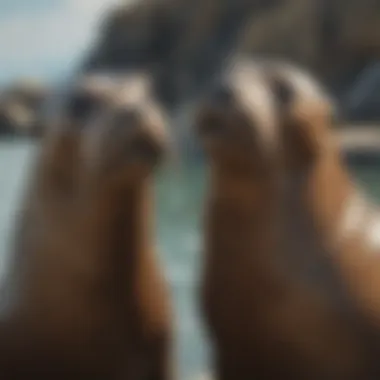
(105, 126)
(237, 120)
(126, 125)
(76, 107)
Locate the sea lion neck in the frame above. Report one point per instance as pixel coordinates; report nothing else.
(311, 190)
(311, 209)
(125, 211)
(241, 212)
(102, 242)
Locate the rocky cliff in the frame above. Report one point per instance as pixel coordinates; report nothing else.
(184, 42)
(181, 42)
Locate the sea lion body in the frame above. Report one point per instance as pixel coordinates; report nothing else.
(272, 297)
(88, 299)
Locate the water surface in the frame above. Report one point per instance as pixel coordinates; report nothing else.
(179, 204)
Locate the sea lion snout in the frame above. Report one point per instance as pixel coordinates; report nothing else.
(127, 116)
(141, 141)
(140, 128)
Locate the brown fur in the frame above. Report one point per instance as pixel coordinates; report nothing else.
(88, 300)
(273, 301)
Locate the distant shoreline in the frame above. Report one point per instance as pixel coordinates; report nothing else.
(360, 145)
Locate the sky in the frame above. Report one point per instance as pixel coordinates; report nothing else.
(46, 38)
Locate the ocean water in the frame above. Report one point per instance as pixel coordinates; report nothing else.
(180, 194)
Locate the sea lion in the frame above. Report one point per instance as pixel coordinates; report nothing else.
(271, 298)
(86, 298)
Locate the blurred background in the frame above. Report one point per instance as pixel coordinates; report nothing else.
(183, 44)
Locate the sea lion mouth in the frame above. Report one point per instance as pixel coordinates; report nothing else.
(144, 150)
(211, 125)
(137, 154)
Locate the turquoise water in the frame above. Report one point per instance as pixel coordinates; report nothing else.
(179, 201)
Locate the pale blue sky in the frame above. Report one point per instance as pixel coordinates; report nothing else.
(46, 38)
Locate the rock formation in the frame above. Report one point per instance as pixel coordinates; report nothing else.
(183, 42)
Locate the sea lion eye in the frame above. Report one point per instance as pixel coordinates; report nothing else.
(81, 106)
(283, 92)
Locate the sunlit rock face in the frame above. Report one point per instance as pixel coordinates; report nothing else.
(181, 42)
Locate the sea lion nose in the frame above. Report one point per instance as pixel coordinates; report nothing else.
(222, 95)
(127, 117)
